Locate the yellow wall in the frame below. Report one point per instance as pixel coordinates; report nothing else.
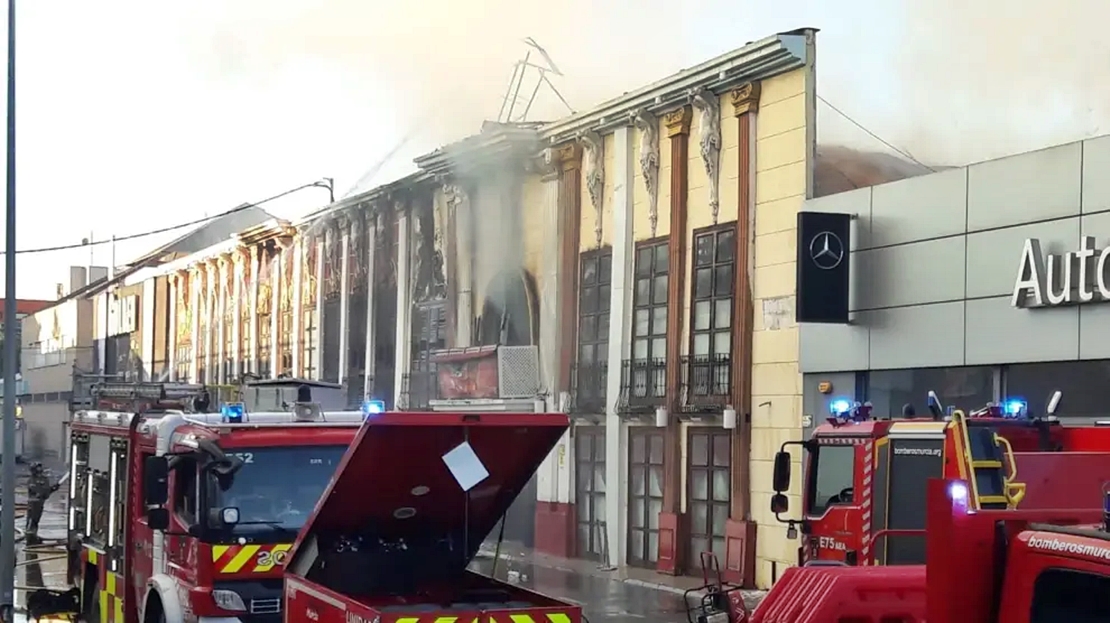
(588, 237)
(534, 223)
(780, 189)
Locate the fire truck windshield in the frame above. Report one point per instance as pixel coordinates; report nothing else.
(277, 487)
(830, 477)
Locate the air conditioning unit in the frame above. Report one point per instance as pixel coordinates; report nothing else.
(487, 373)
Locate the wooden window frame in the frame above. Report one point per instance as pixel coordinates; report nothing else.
(595, 367)
(657, 250)
(717, 365)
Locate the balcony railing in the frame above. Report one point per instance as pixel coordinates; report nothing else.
(588, 387)
(643, 384)
(706, 380)
(418, 389)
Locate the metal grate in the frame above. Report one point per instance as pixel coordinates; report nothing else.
(270, 605)
(518, 371)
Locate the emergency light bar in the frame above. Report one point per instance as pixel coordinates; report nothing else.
(373, 407)
(233, 413)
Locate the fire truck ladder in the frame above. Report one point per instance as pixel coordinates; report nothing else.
(992, 471)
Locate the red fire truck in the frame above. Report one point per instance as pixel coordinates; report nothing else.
(981, 566)
(180, 516)
(864, 487)
(405, 514)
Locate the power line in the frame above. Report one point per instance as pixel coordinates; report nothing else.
(163, 230)
(859, 125)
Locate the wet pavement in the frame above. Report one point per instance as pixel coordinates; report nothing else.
(40, 565)
(601, 599)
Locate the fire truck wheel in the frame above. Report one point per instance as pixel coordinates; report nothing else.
(155, 613)
(92, 603)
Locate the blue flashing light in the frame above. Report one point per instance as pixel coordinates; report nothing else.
(373, 407)
(840, 406)
(1014, 408)
(957, 492)
(233, 413)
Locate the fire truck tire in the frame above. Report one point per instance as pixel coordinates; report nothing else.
(90, 600)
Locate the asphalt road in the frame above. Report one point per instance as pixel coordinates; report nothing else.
(602, 600)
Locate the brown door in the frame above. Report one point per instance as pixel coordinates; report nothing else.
(645, 495)
(708, 492)
(589, 491)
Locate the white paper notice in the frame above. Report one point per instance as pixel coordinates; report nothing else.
(465, 466)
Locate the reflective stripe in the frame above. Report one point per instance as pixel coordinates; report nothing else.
(249, 558)
(111, 599)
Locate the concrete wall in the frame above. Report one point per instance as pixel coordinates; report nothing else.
(934, 262)
(48, 371)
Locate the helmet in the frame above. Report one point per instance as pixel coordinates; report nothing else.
(36, 468)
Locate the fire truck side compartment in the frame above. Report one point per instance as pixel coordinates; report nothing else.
(396, 528)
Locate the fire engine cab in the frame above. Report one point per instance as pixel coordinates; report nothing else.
(183, 516)
(865, 480)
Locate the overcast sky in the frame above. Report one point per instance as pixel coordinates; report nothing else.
(136, 114)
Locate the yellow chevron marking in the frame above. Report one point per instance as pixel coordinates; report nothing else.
(110, 583)
(521, 618)
(103, 605)
(446, 619)
(408, 620)
(218, 551)
(558, 617)
(276, 554)
(244, 556)
(92, 556)
(119, 611)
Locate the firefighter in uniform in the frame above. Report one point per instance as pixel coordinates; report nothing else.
(38, 490)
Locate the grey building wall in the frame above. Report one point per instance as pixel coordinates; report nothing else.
(934, 261)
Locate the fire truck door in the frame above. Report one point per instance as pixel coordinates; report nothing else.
(912, 463)
(140, 537)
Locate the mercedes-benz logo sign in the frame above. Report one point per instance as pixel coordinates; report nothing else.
(826, 250)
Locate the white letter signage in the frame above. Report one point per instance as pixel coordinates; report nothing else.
(1053, 280)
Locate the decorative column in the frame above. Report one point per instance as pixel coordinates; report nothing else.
(318, 331)
(224, 269)
(404, 307)
(569, 159)
(276, 293)
(620, 341)
(670, 525)
(297, 334)
(740, 530)
(174, 287)
(194, 329)
(255, 285)
(344, 293)
(237, 328)
(372, 237)
(209, 313)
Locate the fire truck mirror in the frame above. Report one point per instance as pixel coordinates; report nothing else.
(156, 472)
(779, 503)
(158, 519)
(782, 472)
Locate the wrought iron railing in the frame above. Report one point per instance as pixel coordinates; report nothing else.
(588, 387)
(643, 383)
(706, 380)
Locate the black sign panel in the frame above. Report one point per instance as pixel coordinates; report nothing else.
(823, 267)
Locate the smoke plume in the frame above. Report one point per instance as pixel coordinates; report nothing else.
(981, 80)
(445, 64)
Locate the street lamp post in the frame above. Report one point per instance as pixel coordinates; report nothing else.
(7, 478)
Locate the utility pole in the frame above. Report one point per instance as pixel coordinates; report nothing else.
(7, 479)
